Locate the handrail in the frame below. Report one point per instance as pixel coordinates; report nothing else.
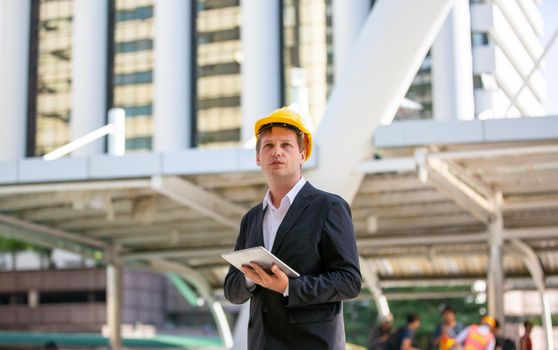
(115, 129)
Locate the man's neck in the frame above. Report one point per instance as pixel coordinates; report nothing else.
(278, 190)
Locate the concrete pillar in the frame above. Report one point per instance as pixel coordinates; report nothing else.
(452, 67)
(89, 72)
(114, 303)
(348, 18)
(172, 113)
(261, 64)
(14, 64)
(495, 273)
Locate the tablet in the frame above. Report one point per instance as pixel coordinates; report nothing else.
(258, 255)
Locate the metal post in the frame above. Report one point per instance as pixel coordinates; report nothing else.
(114, 300)
(495, 276)
(532, 263)
(240, 333)
(117, 138)
(370, 276)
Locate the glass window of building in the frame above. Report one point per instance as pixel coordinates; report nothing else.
(51, 76)
(218, 52)
(307, 56)
(132, 78)
(420, 92)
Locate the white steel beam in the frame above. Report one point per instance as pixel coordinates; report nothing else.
(495, 274)
(89, 44)
(173, 55)
(439, 175)
(52, 232)
(75, 186)
(15, 18)
(114, 298)
(200, 200)
(372, 281)
(348, 19)
(201, 285)
(531, 261)
(261, 64)
(183, 253)
(455, 239)
(350, 108)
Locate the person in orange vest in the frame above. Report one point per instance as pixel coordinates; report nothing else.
(478, 337)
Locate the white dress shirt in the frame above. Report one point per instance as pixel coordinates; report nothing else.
(273, 218)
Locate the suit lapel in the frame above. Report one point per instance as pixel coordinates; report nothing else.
(259, 226)
(300, 203)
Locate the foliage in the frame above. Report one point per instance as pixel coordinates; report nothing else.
(10, 245)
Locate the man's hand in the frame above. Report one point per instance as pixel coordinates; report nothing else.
(277, 280)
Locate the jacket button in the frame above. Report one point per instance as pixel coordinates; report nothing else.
(264, 309)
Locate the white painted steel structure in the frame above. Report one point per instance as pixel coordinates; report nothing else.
(261, 62)
(172, 114)
(181, 207)
(89, 66)
(452, 67)
(14, 18)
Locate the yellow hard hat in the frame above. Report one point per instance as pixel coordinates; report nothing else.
(285, 117)
(489, 320)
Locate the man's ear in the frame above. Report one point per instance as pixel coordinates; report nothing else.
(257, 158)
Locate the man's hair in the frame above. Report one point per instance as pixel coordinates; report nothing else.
(448, 308)
(299, 139)
(527, 323)
(412, 317)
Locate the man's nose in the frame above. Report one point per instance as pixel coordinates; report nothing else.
(276, 151)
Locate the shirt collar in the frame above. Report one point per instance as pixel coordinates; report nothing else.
(291, 195)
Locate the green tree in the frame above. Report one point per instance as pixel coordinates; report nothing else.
(14, 246)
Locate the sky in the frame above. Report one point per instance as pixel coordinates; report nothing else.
(549, 10)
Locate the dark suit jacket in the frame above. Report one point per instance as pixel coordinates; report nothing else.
(316, 239)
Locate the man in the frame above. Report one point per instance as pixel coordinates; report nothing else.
(525, 341)
(478, 337)
(501, 342)
(447, 331)
(379, 334)
(308, 229)
(404, 337)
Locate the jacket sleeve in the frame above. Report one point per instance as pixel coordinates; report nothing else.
(235, 283)
(341, 279)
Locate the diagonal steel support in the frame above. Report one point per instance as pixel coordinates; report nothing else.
(51, 232)
(439, 174)
(350, 108)
(204, 202)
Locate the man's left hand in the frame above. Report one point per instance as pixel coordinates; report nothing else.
(277, 280)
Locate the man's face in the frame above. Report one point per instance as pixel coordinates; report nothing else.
(279, 155)
(448, 317)
(415, 325)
